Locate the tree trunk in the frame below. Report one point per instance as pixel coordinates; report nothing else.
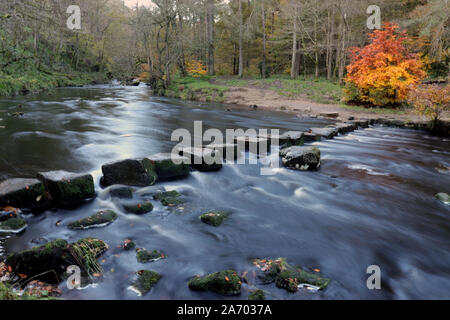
(263, 66)
(294, 50)
(241, 35)
(210, 32)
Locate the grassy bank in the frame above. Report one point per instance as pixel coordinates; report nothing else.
(214, 88)
(39, 81)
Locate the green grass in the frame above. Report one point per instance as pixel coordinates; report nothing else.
(377, 110)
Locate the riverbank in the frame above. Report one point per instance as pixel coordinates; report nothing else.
(304, 97)
(36, 81)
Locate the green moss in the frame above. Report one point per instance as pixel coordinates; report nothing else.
(257, 295)
(443, 197)
(169, 198)
(100, 218)
(224, 282)
(86, 251)
(144, 256)
(146, 280)
(150, 168)
(140, 208)
(128, 245)
(214, 218)
(13, 224)
(7, 293)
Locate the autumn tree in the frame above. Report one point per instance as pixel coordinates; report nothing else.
(431, 101)
(382, 72)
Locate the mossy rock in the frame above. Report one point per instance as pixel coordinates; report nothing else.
(257, 295)
(23, 193)
(12, 225)
(66, 188)
(214, 218)
(129, 172)
(128, 245)
(443, 197)
(146, 279)
(121, 192)
(301, 158)
(144, 256)
(224, 283)
(101, 218)
(170, 167)
(140, 208)
(169, 198)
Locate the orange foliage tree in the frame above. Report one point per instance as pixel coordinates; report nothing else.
(196, 69)
(431, 101)
(382, 72)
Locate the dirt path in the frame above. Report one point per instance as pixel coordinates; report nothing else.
(267, 99)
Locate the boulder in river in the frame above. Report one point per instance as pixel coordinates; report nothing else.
(224, 283)
(257, 295)
(121, 192)
(49, 261)
(67, 188)
(169, 198)
(301, 158)
(144, 256)
(130, 172)
(443, 197)
(140, 208)
(214, 218)
(170, 166)
(146, 279)
(360, 123)
(13, 225)
(327, 132)
(100, 219)
(344, 128)
(23, 193)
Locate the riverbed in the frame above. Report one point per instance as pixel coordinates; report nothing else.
(371, 202)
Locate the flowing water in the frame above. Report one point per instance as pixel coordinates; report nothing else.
(371, 203)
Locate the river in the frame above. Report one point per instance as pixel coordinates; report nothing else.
(371, 202)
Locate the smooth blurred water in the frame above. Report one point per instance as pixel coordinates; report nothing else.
(370, 203)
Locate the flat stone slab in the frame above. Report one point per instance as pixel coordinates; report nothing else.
(130, 172)
(345, 127)
(333, 115)
(311, 137)
(253, 144)
(360, 123)
(228, 151)
(67, 188)
(289, 138)
(22, 193)
(301, 158)
(327, 133)
(203, 159)
(170, 167)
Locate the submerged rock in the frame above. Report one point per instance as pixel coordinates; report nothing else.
(301, 158)
(170, 167)
(14, 225)
(130, 172)
(257, 295)
(224, 283)
(23, 193)
(140, 208)
(128, 245)
(203, 159)
(214, 218)
(169, 198)
(287, 276)
(443, 197)
(67, 188)
(49, 261)
(146, 279)
(229, 151)
(121, 192)
(101, 218)
(144, 256)
(292, 138)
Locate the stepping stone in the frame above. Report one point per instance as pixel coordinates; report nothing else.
(311, 137)
(169, 166)
(203, 159)
(333, 115)
(360, 123)
(129, 172)
(327, 133)
(301, 158)
(67, 188)
(258, 145)
(23, 193)
(289, 138)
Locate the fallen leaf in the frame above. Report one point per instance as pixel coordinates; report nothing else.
(39, 198)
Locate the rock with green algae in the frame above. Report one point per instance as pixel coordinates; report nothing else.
(100, 219)
(67, 188)
(287, 276)
(13, 225)
(146, 279)
(257, 295)
(301, 158)
(214, 218)
(121, 192)
(128, 245)
(23, 193)
(144, 256)
(129, 172)
(49, 261)
(443, 197)
(170, 166)
(169, 198)
(224, 283)
(140, 208)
